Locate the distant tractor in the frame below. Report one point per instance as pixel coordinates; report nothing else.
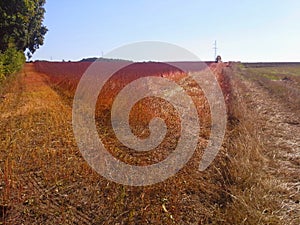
(218, 59)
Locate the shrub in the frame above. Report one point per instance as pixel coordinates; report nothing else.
(1, 68)
(11, 61)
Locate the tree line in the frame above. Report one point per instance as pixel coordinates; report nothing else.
(21, 30)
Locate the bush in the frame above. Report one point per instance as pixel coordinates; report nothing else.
(11, 61)
(1, 68)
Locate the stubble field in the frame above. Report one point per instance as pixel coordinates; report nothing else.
(253, 180)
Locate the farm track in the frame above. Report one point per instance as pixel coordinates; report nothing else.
(24, 115)
(278, 122)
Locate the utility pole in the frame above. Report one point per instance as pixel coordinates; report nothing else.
(215, 48)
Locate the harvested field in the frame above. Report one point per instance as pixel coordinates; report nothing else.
(253, 180)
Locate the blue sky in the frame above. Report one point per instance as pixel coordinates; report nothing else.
(245, 30)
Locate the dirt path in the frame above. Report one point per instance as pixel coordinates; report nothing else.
(31, 94)
(279, 125)
(35, 131)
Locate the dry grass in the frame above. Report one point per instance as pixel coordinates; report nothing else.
(254, 193)
(267, 189)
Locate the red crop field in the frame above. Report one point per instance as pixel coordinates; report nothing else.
(65, 77)
(63, 74)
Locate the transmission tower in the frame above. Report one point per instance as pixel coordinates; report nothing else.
(215, 48)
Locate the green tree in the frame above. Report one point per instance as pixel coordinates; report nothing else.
(21, 24)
